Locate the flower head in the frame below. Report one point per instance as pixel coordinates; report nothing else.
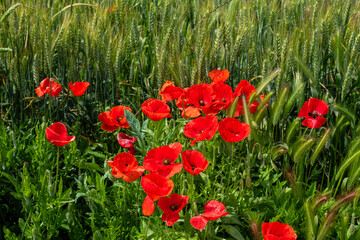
(155, 109)
(244, 88)
(45, 88)
(213, 210)
(126, 141)
(114, 118)
(312, 111)
(201, 128)
(231, 130)
(161, 160)
(57, 134)
(126, 167)
(277, 231)
(78, 88)
(172, 206)
(156, 186)
(194, 162)
(170, 92)
(219, 76)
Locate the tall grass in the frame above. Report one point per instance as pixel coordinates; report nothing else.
(290, 50)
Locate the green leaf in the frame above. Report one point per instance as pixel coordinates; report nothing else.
(320, 145)
(133, 122)
(234, 232)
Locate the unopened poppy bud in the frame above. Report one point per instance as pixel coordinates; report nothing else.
(248, 181)
(255, 230)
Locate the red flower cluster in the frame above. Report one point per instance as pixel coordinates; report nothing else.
(114, 118)
(213, 210)
(45, 88)
(277, 231)
(312, 111)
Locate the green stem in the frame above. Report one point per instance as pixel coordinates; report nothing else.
(147, 227)
(192, 196)
(231, 148)
(57, 168)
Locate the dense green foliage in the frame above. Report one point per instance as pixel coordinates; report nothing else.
(290, 50)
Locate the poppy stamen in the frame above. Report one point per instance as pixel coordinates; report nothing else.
(224, 100)
(166, 162)
(173, 207)
(314, 114)
(202, 103)
(120, 118)
(193, 167)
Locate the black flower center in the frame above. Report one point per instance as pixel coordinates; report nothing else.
(173, 207)
(202, 103)
(314, 114)
(224, 100)
(166, 162)
(193, 167)
(126, 164)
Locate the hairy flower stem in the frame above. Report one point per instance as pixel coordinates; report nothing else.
(231, 149)
(192, 187)
(57, 168)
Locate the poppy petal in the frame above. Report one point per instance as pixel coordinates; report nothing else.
(198, 222)
(148, 206)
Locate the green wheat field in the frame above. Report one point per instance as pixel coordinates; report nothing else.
(289, 50)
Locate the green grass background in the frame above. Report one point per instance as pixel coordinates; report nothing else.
(290, 50)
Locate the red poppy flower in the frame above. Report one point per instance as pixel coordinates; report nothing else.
(223, 98)
(57, 134)
(78, 88)
(155, 109)
(277, 231)
(200, 95)
(161, 160)
(114, 119)
(111, 9)
(127, 142)
(201, 128)
(232, 130)
(171, 207)
(126, 167)
(170, 92)
(219, 76)
(194, 162)
(188, 110)
(156, 186)
(45, 88)
(213, 210)
(312, 111)
(244, 88)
